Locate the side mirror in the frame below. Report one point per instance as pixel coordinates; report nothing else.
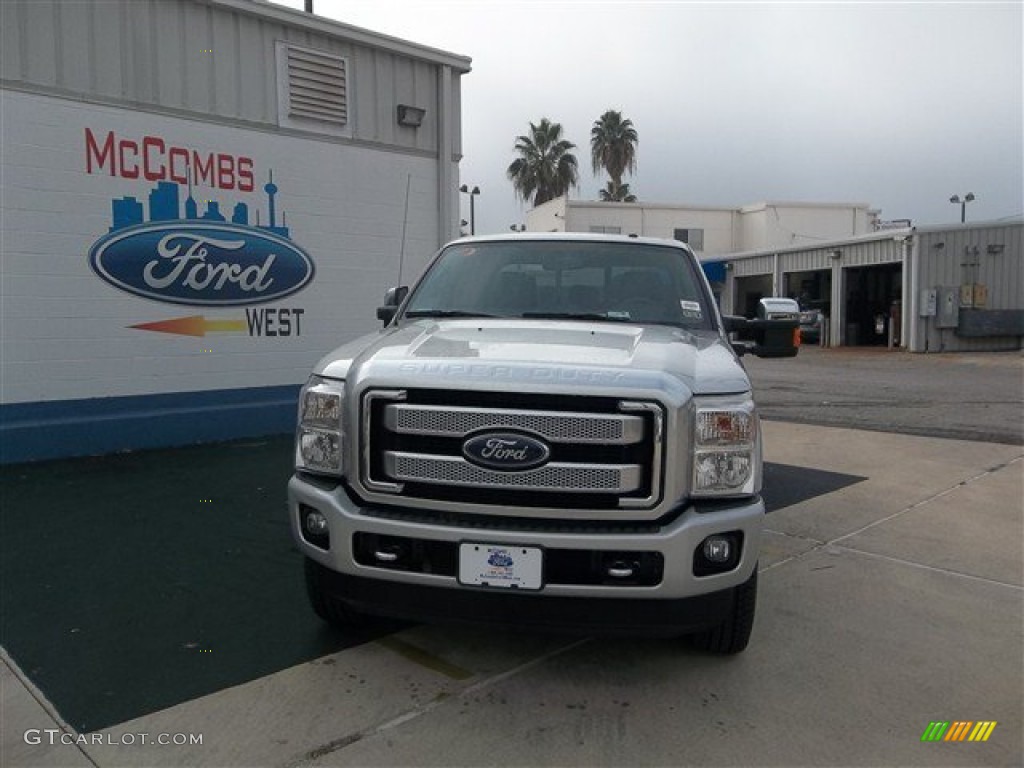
(738, 325)
(734, 323)
(393, 299)
(771, 338)
(775, 338)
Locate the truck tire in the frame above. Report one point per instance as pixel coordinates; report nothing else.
(325, 603)
(733, 634)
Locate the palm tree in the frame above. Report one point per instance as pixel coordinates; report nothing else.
(546, 167)
(613, 194)
(613, 143)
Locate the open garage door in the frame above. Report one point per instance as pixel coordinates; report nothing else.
(871, 304)
(749, 291)
(812, 289)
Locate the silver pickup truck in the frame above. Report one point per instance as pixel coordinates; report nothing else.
(550, 431)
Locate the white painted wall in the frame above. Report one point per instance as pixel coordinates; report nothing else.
(780, 225)
(66, 333)
(547, 217)
(726, 230)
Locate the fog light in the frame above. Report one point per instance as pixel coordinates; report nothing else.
(717, 549)
(316, 523)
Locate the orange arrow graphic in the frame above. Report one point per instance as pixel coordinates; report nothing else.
(197, 325)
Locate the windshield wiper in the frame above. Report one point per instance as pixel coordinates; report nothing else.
(445, 313)
(576, 316)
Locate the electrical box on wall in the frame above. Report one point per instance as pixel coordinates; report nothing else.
(948, 301)
(928, 302)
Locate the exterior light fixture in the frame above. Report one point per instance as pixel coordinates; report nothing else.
(968, 198)
(472, 208)
(836, 254)
(411, 116)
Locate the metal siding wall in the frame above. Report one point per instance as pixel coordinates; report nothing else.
(226, 65)
(805, 261)
(871, 253)
(10, 39)
(384, 121)
(1001, 273)
(107, 21)
(76, 62)
(255, 98)
(157, 52)
(39, 55)
(759, 265)
(170, 43)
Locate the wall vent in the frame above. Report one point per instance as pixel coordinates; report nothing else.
(317, 87)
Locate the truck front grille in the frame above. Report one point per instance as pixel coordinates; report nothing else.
(605, 453)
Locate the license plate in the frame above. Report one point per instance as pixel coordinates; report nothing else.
(500, 566)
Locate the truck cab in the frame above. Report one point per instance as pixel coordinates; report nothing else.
(549, 431)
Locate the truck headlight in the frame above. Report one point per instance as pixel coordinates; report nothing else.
(319, 437)
(727, 449)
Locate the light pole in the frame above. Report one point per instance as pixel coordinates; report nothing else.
(472, 210)
(955, 199)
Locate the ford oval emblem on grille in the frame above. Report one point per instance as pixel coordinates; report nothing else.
(508, 451)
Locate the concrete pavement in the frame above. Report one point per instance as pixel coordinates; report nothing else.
(884, 605)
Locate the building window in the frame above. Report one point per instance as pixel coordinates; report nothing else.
(601, 229)
(312, 89)
(692, 237)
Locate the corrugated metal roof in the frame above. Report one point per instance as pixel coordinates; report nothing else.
(295, 18)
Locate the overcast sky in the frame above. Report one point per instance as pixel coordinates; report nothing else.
(900, 105)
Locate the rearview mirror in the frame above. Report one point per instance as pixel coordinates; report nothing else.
(393, 299)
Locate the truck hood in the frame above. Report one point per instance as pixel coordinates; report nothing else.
(541, 355)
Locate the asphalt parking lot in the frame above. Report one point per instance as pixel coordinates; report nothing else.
(963, 396)
(157, 593)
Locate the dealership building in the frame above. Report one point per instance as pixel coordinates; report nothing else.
(924, 289)
(199, 199)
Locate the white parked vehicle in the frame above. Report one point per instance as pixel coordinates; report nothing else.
(549, 431)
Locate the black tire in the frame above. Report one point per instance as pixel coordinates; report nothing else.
(733, 634)
(327, 605)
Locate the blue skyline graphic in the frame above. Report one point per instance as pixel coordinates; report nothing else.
(164, 205)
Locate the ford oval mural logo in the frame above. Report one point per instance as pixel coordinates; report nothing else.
(508, 451)
(187, 262)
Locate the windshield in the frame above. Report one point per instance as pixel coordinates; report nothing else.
(613, 282)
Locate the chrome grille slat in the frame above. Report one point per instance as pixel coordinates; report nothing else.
(554, 426)
(568, 477)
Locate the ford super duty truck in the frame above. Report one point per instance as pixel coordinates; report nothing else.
(549, 431)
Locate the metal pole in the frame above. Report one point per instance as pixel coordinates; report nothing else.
(472, 213)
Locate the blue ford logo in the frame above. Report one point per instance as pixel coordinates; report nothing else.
(182, 262)
(507, 451)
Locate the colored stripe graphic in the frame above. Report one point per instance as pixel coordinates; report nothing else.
(197, 325)
(958, 730)
(982, 730)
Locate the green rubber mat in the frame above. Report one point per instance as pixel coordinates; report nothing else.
(137, 581)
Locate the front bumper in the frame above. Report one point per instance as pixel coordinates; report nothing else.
(372, 589)
(618, 616)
